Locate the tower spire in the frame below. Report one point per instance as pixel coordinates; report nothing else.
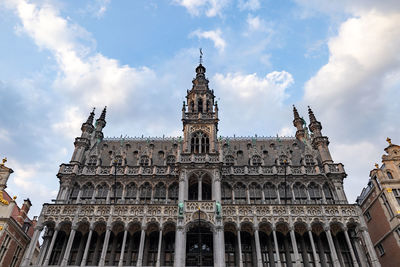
(201, 56)
(103, 114)
(298, 123)
(91, 117)
(311, 115)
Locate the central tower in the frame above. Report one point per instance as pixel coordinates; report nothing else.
(200, 116)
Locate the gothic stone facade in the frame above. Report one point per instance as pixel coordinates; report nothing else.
(380, 204)
(202, 200)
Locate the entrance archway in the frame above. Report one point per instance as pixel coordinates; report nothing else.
(199, 245)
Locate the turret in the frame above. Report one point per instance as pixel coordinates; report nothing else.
(319, 142)
(100, 124)
(87, 127)
(299, 124)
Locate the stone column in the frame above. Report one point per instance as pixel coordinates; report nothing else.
(332, 247)
(278, 259)
(240, 248)
(217, 186)
(200, 189)
(32, 245)
(219, 245)
(69, 245)
(105, 246)
(258, 247)
(141, 247)
(314, 251)
(158, 264)
(44, 247)
(294, 246)
(180, 246)
(50, 249)
(121, 256)
(370, 247)
(81, 249)
(182, 186)
(353, 256)
(85, 253)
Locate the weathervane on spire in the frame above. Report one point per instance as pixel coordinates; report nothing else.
(201, 56)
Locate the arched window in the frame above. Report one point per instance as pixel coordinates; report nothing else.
(102, 191)
(206, 189)
(309, 160)
(240, 193)
(270, 193)
(145, 192)
(92, 161)
(200, 143)
(118, 190)
(118, 160)
(315, 192)
(283, 160)
(131, 191)
(74, 192)
(256, 160)
(171, 159)
(160, 192)
(285, 194)
(328, 194)
(200, 105)
(300, 193)
(173, 191)
(226, 193)
(389, 175)
(144, 161)
(87, 191)
(229, 160)
(255, 193)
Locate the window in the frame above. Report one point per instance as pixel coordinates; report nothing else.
(368, 216)
(285, 195)
(118, 190)
(396, 193)
(4, 247)
(381, 250)
(173, 192)
(377, 182)
(145, 192)
(159, 193)
(240, 193)
(144, 161)
(102, 191)
(171, 159)
(300, 193)
(389, 175)
(226, 193)
(269, 193)
(283, 160)
(314, 191)
(229, 160)
(328, 193)
(15, 256)
(309, 160)
(87, 191)
(118, 160)
(200, 143)
(131, 191)
(256, 160)
(255, 193)
(387, 205)
(74, 192)
(92, 161)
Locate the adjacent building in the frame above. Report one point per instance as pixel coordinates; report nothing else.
(202, 199)
(16, 229)
(380, 204)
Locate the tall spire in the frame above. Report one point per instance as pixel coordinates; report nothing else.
(103, 114)
(298, 123)
(91, 117)
(311, 115)
(295, 113)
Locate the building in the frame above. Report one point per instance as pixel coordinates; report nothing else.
(189, 201)
(380, 204)
(16, 229)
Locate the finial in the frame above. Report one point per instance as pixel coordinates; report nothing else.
(103, 114)
(389, 141)
(201, 56)
(311, 115)
(376, 166)
(91, 117)
(3, 161)
(295, 113)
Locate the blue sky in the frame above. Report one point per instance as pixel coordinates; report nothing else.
(61, 58)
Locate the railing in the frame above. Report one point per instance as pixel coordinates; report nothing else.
(226, 170)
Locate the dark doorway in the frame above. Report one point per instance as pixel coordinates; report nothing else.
(199, 247)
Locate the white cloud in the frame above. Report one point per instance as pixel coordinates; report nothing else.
(258, 24)
(211, 8)
(4, 135)
(69, 126)
(251, 5)
(214, 36)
